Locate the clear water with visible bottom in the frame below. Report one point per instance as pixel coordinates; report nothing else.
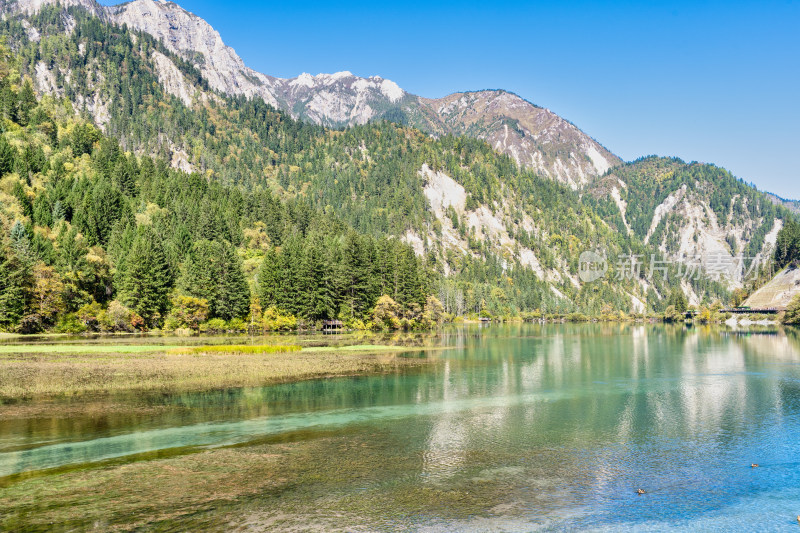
(526, 427)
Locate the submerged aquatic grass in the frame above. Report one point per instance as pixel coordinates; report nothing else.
(360, 348)
(81, 348)
(238, 349)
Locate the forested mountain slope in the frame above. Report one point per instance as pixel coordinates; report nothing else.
(495, 237)
(692, 210)
(506, 238)
(92, 236)
(791, 205)
(535, 137)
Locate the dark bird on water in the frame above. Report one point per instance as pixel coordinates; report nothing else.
(641, 491)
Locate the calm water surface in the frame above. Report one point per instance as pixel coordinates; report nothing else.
(539, 427)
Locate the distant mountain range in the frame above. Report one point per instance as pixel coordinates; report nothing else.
(535, 137)
(450, 209)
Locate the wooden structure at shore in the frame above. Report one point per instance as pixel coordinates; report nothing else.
(332, 326)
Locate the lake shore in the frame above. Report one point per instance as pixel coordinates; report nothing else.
(54, 371)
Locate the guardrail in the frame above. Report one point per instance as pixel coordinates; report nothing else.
(752, 311)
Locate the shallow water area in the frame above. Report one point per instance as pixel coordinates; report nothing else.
(512, 428)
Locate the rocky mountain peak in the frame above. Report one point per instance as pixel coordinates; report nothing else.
(533, 136)
(195, 39)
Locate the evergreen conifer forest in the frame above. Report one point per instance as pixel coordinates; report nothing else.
(274, 223)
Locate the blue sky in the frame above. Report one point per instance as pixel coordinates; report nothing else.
(716, 82)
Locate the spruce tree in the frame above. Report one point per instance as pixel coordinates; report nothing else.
(233, 292)
(289, 297)
(147, 279)
(677, 299)
(409, 287)
(315, 299)
(787, 246)
(15, 284)
(198, 277)
(353, 274)
(21, 243)
(270, 279)
(19, 193)
(213, 272)
(8, 156)
(25, 103)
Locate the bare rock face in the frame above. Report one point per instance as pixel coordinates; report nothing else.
(695, 214)
(172, 79)
(32, 6)
(339, 99)
(193, 38)
(535, 137)
(778, 293)
(791, 205)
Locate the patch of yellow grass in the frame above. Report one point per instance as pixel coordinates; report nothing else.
(45, 375)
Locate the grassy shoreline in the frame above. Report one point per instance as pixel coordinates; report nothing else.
(32, 373)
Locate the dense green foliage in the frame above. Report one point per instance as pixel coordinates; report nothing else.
(787, 246)
(367, 176)
(792, 315)
(289, 218)
(94, 235)
(212, 271)
(649, 181)
(316, 275)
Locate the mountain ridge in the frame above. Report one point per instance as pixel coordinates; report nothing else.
(342, 100)
(464, 203)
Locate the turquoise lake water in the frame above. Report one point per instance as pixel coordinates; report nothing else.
(555, 427)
